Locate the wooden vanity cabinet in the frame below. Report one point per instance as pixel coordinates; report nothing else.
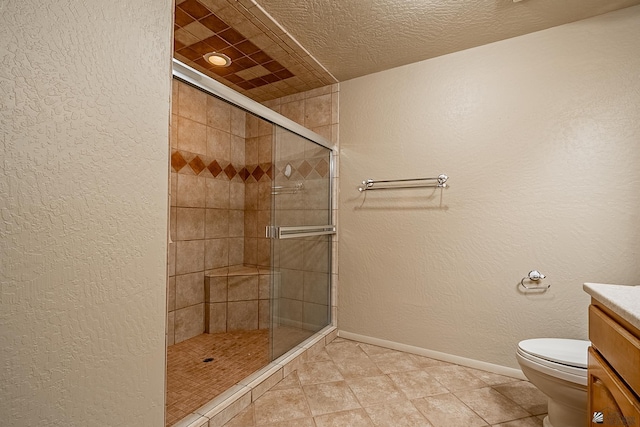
(613, 370)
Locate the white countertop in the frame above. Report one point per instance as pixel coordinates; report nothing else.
(621, 299)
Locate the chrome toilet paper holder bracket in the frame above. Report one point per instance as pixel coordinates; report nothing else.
(534, 277)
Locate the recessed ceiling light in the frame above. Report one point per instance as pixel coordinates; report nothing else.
(218, 59)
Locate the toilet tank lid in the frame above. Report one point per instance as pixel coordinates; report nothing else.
(560, 350)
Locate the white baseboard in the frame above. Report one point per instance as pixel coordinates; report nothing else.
(445, 357)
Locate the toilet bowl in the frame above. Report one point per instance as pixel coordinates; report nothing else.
(558, 368)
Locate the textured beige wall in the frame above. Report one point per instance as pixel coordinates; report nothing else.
(84, 128)
(541, 139)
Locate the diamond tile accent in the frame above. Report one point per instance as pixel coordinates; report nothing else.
(270, 171)
(177, 161)
(244, 174)
(197, 165)
(305, 168)
(215, 168)
(265, 171)
(257, 173)
(230, 171)
(322, 168)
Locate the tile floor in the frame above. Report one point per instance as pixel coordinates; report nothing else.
(354, 384)
(191, 382)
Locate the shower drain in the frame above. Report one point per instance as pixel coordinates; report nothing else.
(208, 359)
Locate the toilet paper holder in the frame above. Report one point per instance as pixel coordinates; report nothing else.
(534, 276)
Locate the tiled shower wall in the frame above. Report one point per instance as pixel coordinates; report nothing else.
(221, 191)
(207, 201)
(259, 138)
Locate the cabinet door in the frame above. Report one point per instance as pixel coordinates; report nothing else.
(611, 403)
(619, 347)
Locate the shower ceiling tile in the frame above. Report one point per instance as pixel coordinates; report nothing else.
(283, 74)
(211, 4)
(191, 54)
(247, 47)
(195, 8)
(201, 48)
(271, 78)
(273, 66)
(248, 29)
(260, 57)
(198, 30)
(245, 62)
(177, 45)
(231, 36)
(257, 82)
(254, 43)
(185, 37)
(182, 18)
(257, 71)
(231, 15)
(216, 43)
(234, 54)
(245, 85)
(213, 23)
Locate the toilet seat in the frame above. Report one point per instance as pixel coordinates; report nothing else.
(561, 358)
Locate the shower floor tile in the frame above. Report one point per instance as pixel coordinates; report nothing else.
(191, 382)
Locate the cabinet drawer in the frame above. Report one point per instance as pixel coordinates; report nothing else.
(609, 396)
(619, 347)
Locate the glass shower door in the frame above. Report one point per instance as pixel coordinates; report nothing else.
(300, 233)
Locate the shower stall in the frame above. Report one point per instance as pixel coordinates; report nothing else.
(250, 239)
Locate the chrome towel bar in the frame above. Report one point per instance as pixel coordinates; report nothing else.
(370, 184)
(279, 189)
(299, 231)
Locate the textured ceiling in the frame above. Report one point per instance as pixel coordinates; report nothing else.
(282, 47)
(351, 38)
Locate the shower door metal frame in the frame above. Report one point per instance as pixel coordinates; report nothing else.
(207, 84)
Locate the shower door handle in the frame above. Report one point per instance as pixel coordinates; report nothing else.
(299, 231)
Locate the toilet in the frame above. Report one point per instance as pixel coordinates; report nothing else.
(558, 368)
